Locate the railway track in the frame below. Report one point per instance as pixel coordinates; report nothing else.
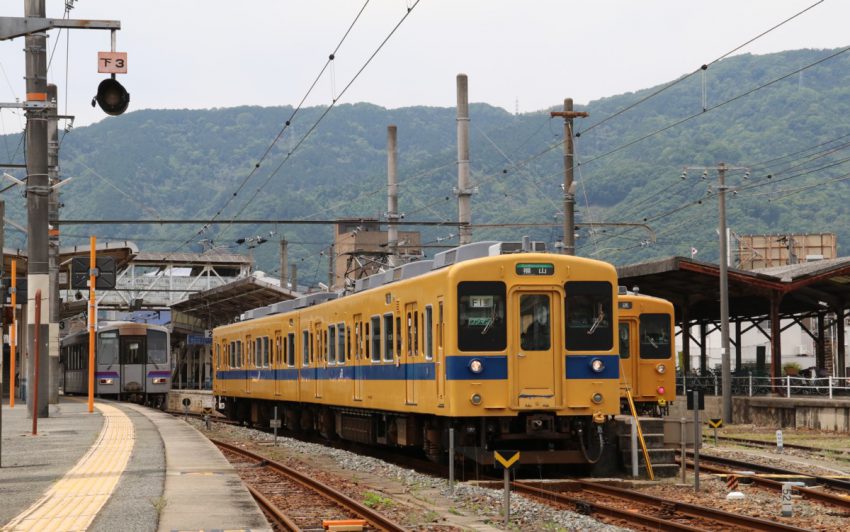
(840, 454)
(296, 501)
(655, 513)
(840, 499)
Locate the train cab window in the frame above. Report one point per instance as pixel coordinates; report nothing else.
(376, 339)
(132, 349)
(157, 347)
(588, 324)
(429, 339)
(534, 320)
(290, 350)
(305, 348)
(481, 316)
(331, 344)
(388, 337)
(340, 343)
(625, 348)
(655, 336)
(107, 348)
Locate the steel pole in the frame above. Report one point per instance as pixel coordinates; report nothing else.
(92, 318)
(392, 195)
(37, 188)
(53, 243)
(726, 384)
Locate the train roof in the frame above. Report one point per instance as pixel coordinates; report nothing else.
(112, 325)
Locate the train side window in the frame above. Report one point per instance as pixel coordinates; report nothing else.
(217, 360)
(429, 339)
(340, 342)
(305, 348)
(314, 346)
(624, 340)
(330, 345)
(388, 337)
(415, 347)
(410, 334)
(376, 338)
(266, 356)
(231, 352)
(348, 344)
(157, 347)
(290, 351)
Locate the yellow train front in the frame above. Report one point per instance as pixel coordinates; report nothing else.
(647, 353)
(512, 351)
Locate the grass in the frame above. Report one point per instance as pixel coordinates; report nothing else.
(376, 500)
(159, 505)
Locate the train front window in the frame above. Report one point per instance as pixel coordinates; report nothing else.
(624, 340)
(588, 309)
(481, 316)
(107, 348)
(132, 349)
(157, 347)
(654, 336)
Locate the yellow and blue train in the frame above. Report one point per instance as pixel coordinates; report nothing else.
(511, 350)
(647, 352)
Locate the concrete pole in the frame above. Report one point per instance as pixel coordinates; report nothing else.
(283, 265)
(53, 242)
(569, 187)
(392, 196)
(38, 277)
(331, 267)
(293, 276)
(725, 361)
(464, 214)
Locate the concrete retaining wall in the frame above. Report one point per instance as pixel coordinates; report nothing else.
(779, 412)
(197, 400)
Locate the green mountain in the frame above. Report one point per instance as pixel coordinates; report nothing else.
(775, 115)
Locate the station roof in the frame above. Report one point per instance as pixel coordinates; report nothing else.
(159, 257)
(225, 303)
(805, 288)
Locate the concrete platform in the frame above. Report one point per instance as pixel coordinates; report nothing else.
(122, 467)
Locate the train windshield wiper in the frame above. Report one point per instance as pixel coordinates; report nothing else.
(597, 322)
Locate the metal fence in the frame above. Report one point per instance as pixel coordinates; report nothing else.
(751, 385)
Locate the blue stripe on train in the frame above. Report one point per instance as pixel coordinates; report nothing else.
(457, 368)
(578, 367)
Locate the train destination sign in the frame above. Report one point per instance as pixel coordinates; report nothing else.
(535, 268)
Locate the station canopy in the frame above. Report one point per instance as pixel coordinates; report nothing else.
(223, 304)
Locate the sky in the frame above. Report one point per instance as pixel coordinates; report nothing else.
(520, 55)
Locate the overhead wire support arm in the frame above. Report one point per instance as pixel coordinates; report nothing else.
(13, 27)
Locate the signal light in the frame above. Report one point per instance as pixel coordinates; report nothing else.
(112, 97)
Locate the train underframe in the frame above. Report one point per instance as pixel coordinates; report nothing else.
(541, 437)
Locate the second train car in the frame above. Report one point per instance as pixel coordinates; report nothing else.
(512, 351)
(647, 352)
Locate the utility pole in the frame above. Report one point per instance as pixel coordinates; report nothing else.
(725, 353)
(283, 259)
(392, 196)
(37, 187)
(569, 187)
(463, 190)
(53, 242)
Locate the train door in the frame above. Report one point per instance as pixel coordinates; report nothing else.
(537, 344)
(628, 349)
(411, 352)
(132, 357)
(440, 362)
(358, 357)
(278, 363)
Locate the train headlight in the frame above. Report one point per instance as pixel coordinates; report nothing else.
(160, 380)
(661, 368)
(597, 365)
(476, 366)
(106, 381)
(475, 399)
(596, 398)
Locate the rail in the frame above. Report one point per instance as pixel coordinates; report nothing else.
(753, 385)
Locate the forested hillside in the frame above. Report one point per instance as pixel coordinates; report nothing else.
(791, 129)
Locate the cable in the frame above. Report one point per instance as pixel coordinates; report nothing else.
(702, 68)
